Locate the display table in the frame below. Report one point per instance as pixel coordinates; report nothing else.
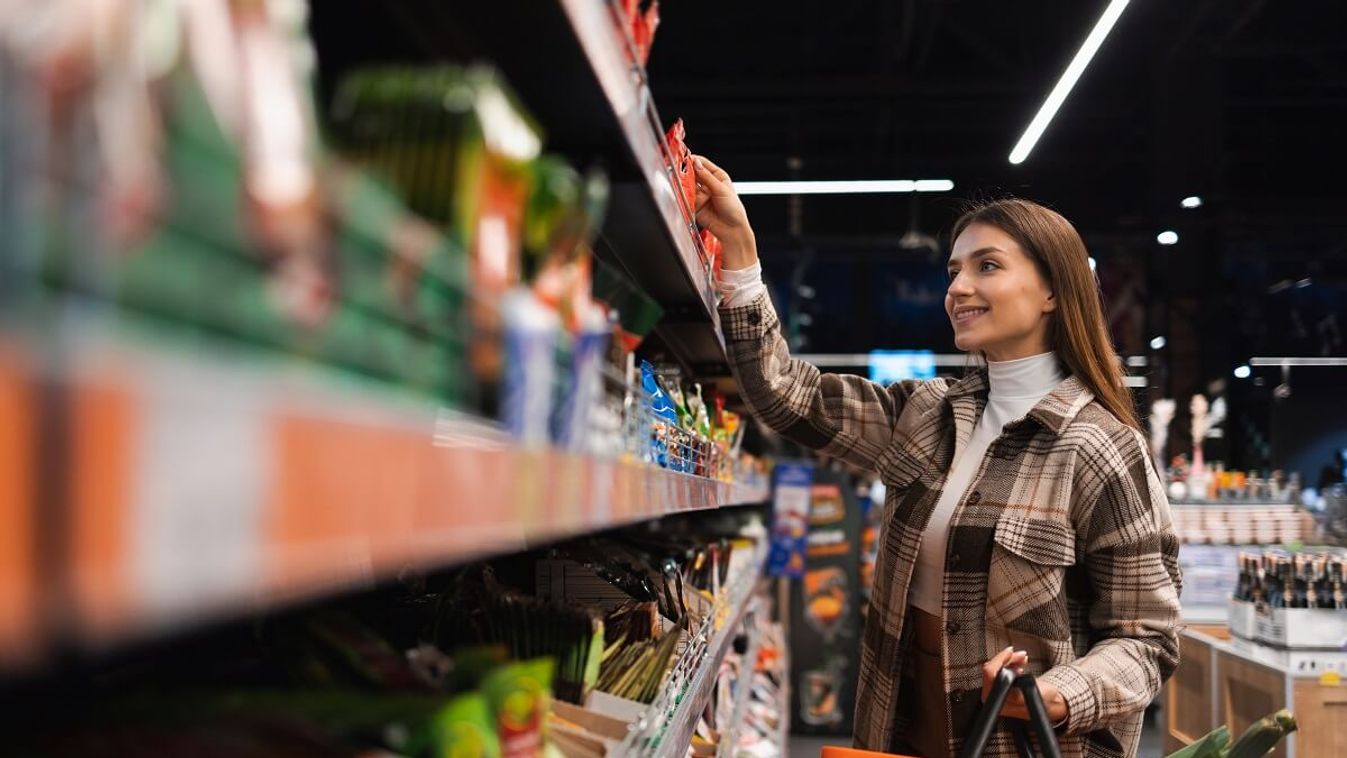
(1227, 680)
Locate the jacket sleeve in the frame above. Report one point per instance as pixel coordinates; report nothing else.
(841, 415)
(1131, 556)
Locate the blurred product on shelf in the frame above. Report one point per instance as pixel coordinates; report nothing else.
(468, 663)
(1292, 599)
(430, 243)
(1245, 523)
(642, 18)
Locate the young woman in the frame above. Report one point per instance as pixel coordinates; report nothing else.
(1025, 524)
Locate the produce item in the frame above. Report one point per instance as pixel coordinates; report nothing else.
(1262, 735)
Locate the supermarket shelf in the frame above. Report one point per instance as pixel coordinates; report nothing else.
(574, 72)
(1205, 614)
(202, 484)
(783, 733)
(666, 728)
(730, 738)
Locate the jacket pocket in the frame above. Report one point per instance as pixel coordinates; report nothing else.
(1027, 576)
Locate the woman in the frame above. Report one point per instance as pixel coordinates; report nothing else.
(1025, 524)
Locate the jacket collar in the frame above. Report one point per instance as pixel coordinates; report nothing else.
(1054, 412)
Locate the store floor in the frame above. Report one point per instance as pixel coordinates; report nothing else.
(802, 746)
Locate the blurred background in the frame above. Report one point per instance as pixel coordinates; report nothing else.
(362, 389)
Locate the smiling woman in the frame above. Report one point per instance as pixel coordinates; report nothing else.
(1035, 264)
(1025, 525)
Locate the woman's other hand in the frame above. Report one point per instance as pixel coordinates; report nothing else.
(720, 210)
(1015, 707)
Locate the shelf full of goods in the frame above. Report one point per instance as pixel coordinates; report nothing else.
(1292, 600)
(296, 347)
(637, 641)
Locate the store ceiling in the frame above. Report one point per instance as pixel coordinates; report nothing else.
(1240, 101)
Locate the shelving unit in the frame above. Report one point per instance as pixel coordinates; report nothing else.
(575, 71)
(207, 483)
(1226, 680)
(158, 478)
(730, 738)
(666, 727)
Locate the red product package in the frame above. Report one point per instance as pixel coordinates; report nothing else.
(643, 27)
(711, 244)
(685, 176)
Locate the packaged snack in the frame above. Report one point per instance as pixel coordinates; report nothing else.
(643, 25)
(660, 402)
(519, 695)
(532, 331)
(711, 244)
(685, 176)
(464, 729)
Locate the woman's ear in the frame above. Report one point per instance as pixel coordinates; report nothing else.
(1050, 304)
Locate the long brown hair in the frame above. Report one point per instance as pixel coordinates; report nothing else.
(1076, 329)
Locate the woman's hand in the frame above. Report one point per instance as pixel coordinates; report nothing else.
(720, 210)
(1014, 707)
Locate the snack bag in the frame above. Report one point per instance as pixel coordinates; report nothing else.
(685, 177)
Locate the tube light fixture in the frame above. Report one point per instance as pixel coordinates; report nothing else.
(1073, 71)
(1297, 362)
(863, 187)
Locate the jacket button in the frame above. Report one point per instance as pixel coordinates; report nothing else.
(957, 698)
(755, 318)
(952, 627)
(955, 558)
(975, 498)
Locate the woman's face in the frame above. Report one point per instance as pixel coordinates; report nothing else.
(997, 301)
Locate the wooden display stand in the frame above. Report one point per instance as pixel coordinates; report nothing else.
(1225, 681)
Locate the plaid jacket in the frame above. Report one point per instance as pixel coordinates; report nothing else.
(1062, 546)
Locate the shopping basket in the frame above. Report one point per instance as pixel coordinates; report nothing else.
(985, 724)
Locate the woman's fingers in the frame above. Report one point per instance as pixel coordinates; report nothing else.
(1015, 659)
(712, 175)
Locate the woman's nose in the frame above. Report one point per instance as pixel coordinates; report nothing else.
(959, 285)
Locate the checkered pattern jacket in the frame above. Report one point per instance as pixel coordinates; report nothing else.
(1062, 546)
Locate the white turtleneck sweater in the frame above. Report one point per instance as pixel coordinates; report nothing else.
(1016, 387)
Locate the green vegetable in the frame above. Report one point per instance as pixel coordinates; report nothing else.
(1262, 735)
(1210, 746)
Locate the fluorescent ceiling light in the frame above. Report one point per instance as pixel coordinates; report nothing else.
(1242, 372)
(868, 187)
(1193, 201)
(1302, 362)
(1068, 80)
(1159, 343)
(1167, 238)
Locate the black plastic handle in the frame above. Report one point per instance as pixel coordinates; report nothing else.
(985, 724)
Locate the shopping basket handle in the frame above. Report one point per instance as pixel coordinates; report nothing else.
(985, 723)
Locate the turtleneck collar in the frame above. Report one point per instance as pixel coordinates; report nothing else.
(1023, 378)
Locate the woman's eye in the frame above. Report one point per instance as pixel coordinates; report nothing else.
(952, 274)
(987, 266)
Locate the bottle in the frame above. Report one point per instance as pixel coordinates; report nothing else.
(1244, 582)
(1335, 578)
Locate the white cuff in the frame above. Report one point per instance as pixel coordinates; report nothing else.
(740, 286)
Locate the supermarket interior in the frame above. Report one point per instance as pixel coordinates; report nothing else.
(396, 378)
